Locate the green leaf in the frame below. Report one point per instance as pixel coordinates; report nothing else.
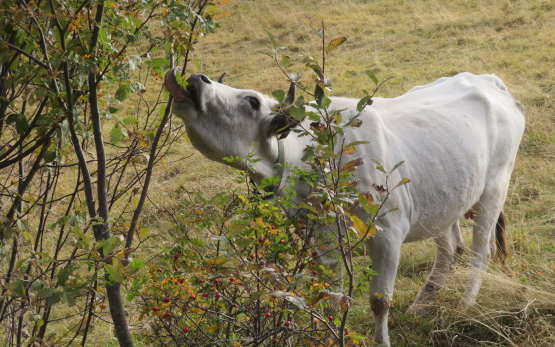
(362, 103)
(37, 285)
(297, 301)
(396, 166)
(159, 63)
(272, 39)
(286, 61)
(367, 204)
(19, 289)
(50, 156)
(380, 167)
(115, 134)
(123, 92)
(264, 52)
(47, 292)
(319, 95)
(279, 95)
(130, 120)
(356, 143)
(198, 64)
(255, 296)
(373, 77)
(21, 123)
(308, 207)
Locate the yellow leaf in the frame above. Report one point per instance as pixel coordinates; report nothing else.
(335, 43)
(243, 199)
(349, 150)
(213, 328)
(143, 232)
(350, 166)
(359, 225)
(199, 211)
(28, 237)
(403, 181)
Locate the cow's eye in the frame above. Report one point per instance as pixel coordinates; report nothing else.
(255, 104)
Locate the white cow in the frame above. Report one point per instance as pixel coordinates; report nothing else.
(458, 136)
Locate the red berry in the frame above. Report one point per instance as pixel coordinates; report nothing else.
(303, 226)
(272, 227)
(159, 270)
(301, 222)
(314, 254)
(166, 299)
(181, 280)
(216, 281)
(268, 314)
(200, 281)
(330, 318)
(234, 305)
(167, 315)
(155, 308)
(275, 340)
(287, 323)
(192, 297)
(314, 273)
(179, 252)
(231, 279)
(313, 263)
(185, 330)
(218, 295)
(281, 241)
(260, 239)
(205, 295)
(253, 256)
(176, 256)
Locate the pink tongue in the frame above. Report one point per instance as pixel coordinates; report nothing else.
(171, 85)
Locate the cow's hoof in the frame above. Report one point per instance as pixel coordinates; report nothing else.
(465, 303)
(418, 310)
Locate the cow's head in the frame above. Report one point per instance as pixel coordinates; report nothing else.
(222, 121)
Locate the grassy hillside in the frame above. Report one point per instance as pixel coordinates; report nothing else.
(416, 42)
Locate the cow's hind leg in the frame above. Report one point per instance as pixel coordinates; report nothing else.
(449, 247)
(486, 215)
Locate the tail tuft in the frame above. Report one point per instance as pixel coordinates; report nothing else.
(500, 240)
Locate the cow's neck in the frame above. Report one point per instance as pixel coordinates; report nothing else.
(268, 151)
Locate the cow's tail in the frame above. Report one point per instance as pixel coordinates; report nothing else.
(500, 239)
(500, 233)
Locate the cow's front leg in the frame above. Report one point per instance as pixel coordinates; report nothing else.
(331, 261)
(385, 260)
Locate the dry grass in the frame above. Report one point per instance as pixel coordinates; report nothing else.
(416, 42)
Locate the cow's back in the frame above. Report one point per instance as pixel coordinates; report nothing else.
(457, 136)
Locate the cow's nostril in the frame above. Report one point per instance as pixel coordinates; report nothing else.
(205, 79)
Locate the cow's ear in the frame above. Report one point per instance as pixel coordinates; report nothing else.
(282, 121)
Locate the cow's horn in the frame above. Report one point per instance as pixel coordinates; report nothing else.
(171, 84)
(290, 98)
(221, 80)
